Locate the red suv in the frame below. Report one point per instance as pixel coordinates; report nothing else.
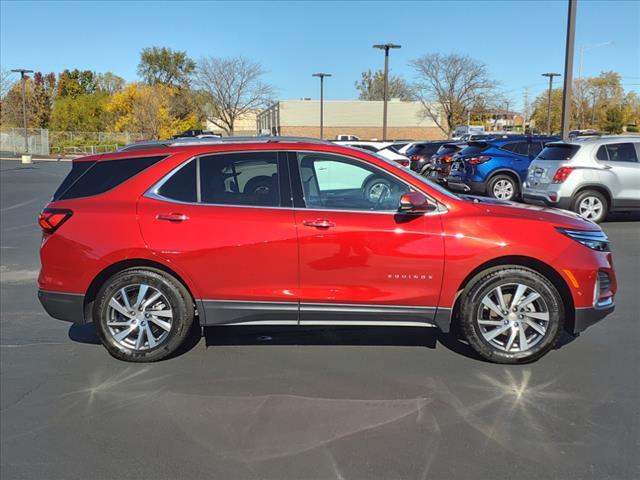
(151, 240)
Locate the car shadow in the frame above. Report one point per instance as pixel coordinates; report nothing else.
(622, 217)
(276, 335)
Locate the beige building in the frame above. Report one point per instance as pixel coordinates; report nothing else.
(405, 120)
(244, 126)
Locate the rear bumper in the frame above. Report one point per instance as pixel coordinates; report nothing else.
(63, 306)
(457, 184)
(537, 199)
(585, 317)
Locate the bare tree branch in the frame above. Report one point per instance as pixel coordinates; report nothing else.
(233, 88)
(449, 86)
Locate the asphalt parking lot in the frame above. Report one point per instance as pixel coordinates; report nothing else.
(276, 403)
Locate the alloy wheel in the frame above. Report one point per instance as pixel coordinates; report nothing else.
(139, 317)
(513, 317)
(590, 208)
(503, 189)
(379, 191)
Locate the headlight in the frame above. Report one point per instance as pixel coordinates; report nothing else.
(594, 239)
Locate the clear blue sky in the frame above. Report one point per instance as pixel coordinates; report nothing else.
(517, 40)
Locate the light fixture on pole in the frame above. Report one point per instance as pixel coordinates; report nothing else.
(321, 77)
(550, 75)
(386, 47)
(23, 77)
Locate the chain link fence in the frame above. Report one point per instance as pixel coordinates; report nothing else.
(45, 142)
(12, 141)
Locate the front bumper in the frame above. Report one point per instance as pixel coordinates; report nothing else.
(585, 317)
(63, 306)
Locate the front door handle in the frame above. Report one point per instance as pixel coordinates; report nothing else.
(172, 217)
(319, 223)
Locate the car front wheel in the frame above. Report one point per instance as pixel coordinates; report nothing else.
(143, 315)
(511, 314)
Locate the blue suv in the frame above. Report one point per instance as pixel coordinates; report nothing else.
(496, 167)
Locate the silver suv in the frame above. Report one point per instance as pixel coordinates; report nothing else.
(591, 176)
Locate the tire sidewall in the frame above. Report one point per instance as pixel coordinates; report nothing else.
(508, 178)
(591, 193)
(486, 282)
(182, 319)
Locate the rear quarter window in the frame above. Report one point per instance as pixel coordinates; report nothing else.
(104, 175)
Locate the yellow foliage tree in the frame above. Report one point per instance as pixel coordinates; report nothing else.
(148, 109)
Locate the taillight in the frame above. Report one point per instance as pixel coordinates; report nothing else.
(561, 174)
(446, 158)
(415, 158)
(51, 218)
(478, 160)
(403, 161)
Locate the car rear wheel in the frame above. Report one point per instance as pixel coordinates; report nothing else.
(591, 205)
(503, 187)
(511, 314)
(143, 315)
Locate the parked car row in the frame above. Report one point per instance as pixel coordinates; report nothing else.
(591, 175)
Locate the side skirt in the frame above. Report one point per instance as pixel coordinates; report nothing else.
(232, 312)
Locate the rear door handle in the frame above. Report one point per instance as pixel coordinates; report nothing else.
(172, 217)
(319, 223)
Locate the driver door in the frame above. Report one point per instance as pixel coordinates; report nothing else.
(360, 260)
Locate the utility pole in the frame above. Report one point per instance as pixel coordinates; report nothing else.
(386, 47)
(568, 68)
(550, 75)
(321, 76)
(593, 110)
(506, 116)
(526, 109)
(23, 78)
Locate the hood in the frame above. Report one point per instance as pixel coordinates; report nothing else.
(504, 208)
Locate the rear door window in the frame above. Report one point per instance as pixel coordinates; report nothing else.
(105, 175)
(535, 148)
(618, 152)
(250, 179)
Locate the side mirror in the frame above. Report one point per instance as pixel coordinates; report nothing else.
(415, 202)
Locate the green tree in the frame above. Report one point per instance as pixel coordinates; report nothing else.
(540, 108)
(165, 66)
(73, 83)
(82, 113)
(371, 87)
(614, 119)
(109, 83)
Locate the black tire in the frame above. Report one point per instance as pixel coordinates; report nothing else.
(585, 195)
(260, 185)
(506, 276)
(174, 292)
(501, 179)
(374, 185)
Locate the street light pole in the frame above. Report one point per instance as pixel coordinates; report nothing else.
(386, 47)
(321, 76)
(23, 78)
(550, 75)
(568, 68)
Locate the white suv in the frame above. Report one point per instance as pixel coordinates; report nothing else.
(591, 176)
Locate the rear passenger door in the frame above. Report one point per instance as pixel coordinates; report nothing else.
(226, 220)
(622, 172)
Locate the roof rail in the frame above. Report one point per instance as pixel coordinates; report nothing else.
(179, 142)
